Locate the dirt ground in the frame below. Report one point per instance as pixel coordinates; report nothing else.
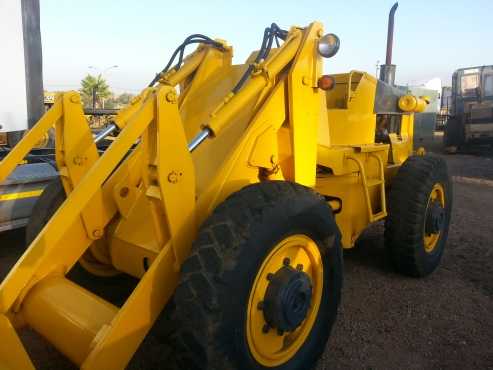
(386, 321)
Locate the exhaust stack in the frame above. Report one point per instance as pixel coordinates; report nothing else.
(387, 70)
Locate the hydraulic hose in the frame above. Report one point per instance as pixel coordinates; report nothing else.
(270, 33)
(180, 50)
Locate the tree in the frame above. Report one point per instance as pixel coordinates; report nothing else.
(124, 99)
(118, 101)
(94, 85)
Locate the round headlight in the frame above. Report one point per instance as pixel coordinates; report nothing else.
(328, 45)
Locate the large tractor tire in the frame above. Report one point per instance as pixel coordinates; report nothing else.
(45, 207)
(262, 285)
(420, 205)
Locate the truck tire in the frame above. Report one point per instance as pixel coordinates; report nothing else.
(48, 202)
(420, 205)
(14, 137)
(262, 285)
(453, 137)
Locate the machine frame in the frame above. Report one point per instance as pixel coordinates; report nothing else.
(175, 159)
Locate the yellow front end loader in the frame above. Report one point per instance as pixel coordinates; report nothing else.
(229, 192)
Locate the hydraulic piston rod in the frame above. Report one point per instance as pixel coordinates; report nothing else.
(105, 132)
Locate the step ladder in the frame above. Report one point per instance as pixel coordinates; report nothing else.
(370, 183)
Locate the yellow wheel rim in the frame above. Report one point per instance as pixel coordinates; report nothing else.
(431, 239)
(271, 348)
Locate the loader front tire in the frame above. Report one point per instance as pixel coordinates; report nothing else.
(420, 205)
(262, 285)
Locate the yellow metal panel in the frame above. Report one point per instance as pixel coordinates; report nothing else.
(357, 182)
(137, 103)
(77, 152)
(176, 175)
(131, 244)
(352, 122)
(304, 106)
(213, 63)
(117, 343)
(13, 356)
(264, 153)
(236, 172)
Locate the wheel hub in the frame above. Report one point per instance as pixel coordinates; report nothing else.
(435, 218)
(287, 299)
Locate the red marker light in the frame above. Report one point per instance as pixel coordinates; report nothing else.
(326, 82)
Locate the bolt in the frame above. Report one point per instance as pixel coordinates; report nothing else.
(171, 97)
(78, 160)
(299, 267)
(306, 80)
(124, 192)
(280, 332)
(286, 261)
(97, 233)
(173, 177)
(265, 328)
(75, 99)
(260, 305)
(270, 276)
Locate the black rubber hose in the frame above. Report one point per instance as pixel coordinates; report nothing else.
(270, 33)
(192, 39)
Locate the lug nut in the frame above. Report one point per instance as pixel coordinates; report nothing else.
(299, 267)
(286, 261)
(265, 328)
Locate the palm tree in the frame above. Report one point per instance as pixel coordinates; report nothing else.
(94, 90)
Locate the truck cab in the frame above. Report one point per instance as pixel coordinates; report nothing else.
(471, 107)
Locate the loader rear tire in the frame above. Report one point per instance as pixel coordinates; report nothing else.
(227, 291)
(420, 205)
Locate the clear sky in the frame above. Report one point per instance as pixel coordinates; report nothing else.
(432, 38)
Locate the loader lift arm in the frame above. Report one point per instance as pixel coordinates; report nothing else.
(256, 154)
(96, 333)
